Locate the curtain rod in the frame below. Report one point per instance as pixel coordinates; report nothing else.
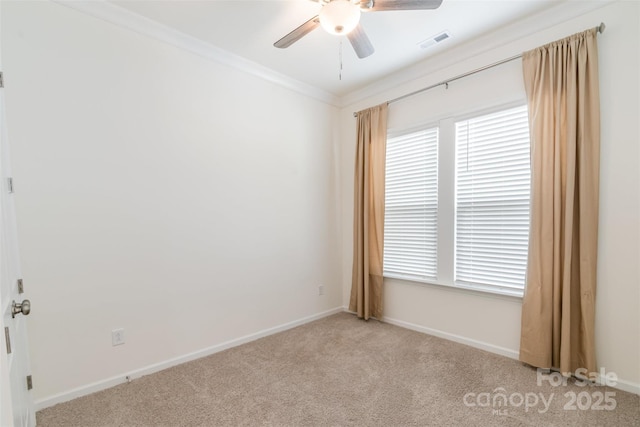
(600, 29)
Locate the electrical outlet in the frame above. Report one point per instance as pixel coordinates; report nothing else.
(320, 290)
(117, 337)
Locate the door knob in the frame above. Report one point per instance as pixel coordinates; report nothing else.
(24, 307)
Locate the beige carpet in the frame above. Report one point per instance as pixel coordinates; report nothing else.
(343, 371)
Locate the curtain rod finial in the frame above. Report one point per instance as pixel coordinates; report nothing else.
(601, 27)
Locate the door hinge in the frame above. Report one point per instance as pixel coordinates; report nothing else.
(7, 338)
(20, 286)
(10, 182)
(1, 80)
(29, 382)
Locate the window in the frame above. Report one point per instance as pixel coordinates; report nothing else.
(411, 205)
(492, 200)
(457, 203)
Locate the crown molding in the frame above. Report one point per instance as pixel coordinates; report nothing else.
(127, 19)
(541, 21)
(477, 47)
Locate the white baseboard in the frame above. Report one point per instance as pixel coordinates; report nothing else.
(119, 379)
(627, 386)
(507, 352)
(512, 354)
(621, 384)
(137, 373)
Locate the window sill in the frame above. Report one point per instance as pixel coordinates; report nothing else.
(471, 289)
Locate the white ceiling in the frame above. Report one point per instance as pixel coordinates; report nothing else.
(248, 28)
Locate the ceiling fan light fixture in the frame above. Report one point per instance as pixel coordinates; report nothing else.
(339, 17)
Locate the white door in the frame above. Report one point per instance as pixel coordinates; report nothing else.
(16, 405)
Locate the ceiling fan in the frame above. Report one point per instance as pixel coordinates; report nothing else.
(342, 17)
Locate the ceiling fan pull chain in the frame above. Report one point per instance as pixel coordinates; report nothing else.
(340, 53)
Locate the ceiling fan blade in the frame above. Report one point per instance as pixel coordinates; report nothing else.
(298, 33)
(382, 5)
(360, 42)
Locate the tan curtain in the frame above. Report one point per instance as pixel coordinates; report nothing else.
(561, 81)
(368, 213)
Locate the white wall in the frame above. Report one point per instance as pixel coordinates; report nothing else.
(493, 322)
(160, 192)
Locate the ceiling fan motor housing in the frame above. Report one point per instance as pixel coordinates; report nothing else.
(339, 17)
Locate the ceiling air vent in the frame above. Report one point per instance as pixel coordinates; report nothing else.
(433, 40)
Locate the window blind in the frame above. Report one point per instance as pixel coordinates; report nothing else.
(492, 201)
(411, 205)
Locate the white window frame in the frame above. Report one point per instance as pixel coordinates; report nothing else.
(446, 201)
